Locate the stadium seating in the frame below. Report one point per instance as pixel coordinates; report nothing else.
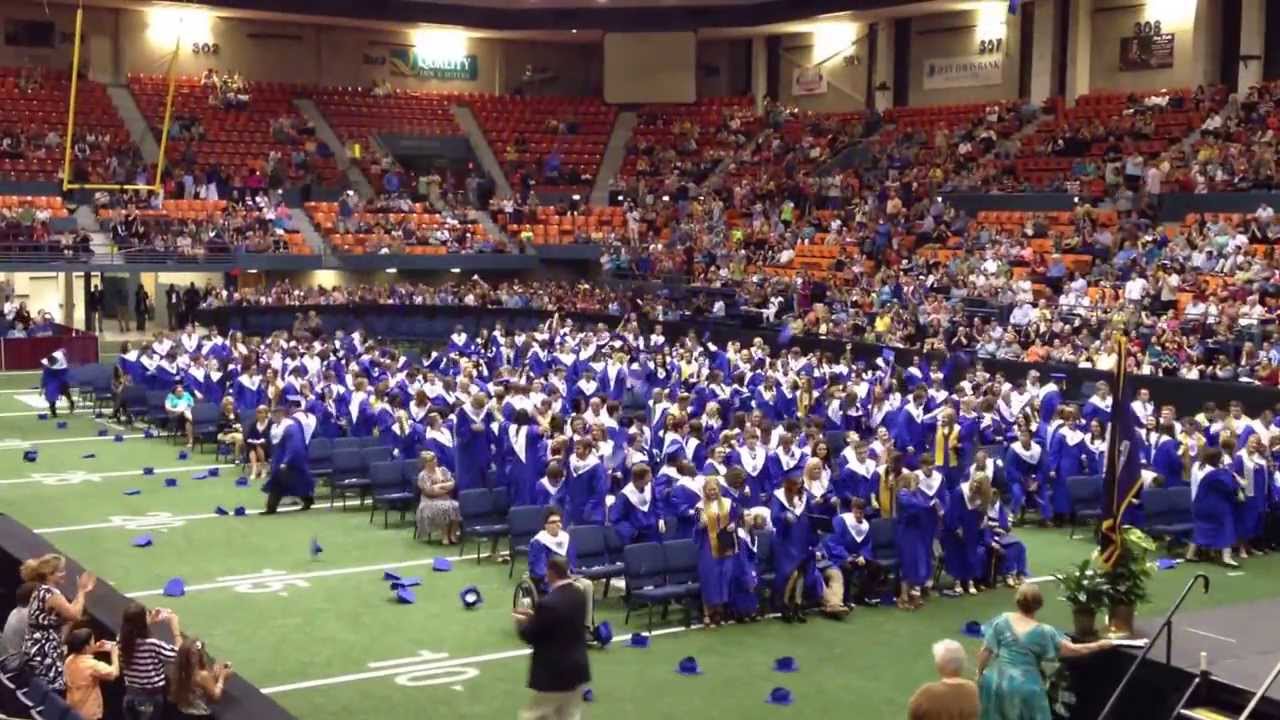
(531, 135)
(423, 221)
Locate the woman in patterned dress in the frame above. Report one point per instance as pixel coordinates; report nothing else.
(48, 612)
(436, 510)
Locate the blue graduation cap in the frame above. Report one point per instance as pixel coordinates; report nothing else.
(148, 471)
(62, 425)
(221, 511)
(30, 455)
(1166, 563)
(175, 588)
(316, 549)
(148, 433)
(640, 641)
(118, 438)
(183, 455)
(588, 696)
(200, 476)
(786, 664)
(406, 583)
(212, 472)
(470, 597)
(239, 511)
(242, 481)
(441, 565)
(171, 482)
(98, 414)
(973, 629)
(887, 354)
(388, 575)
(784, 335)
(688, 666)
(88, 456)
(133, 491)
(42, 416)
(143, 541)
(103, 432)
(779, 696)
(603, 633)
(406, 596)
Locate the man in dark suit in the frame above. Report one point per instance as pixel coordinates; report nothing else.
(559, 668)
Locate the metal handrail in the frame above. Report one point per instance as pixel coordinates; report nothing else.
(1257, 697)
(1166, 626)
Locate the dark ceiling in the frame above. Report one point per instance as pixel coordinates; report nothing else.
(600, 16)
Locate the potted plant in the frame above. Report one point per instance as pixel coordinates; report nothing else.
(1126, 581)
(1085, 589)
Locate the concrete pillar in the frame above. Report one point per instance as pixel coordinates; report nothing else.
(69, 300)
(1253, 25)
(759, 71)
(883, 99)
(1079, 48)
(1046, 58)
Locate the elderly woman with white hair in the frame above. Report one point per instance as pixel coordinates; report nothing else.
(952, 696)
(437, 510)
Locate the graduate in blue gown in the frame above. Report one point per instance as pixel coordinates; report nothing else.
(744, 600)
(1215, 495)
(588, 485)
(787, 460)
(552, 540)
(682, 503)
(716, 538)
(752, 457)
(247, 390)
(472, 449)
(963, 535)
(915, 517)
(849, 548)
(405, 437)
(1255, 476)
(1010, 553)
(550, 490)
(1098, 406)
(1067, 458)
(932, 488)
(54, 381)
(1022, 464)
(290, 471)
(858, 476)
(524, 440)
(438, 438)
(635, 514)
(793, 549)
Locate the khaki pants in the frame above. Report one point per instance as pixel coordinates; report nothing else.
(588, 590)
(553, 706)
(833, 592)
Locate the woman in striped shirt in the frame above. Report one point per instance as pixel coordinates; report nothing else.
(143, 660)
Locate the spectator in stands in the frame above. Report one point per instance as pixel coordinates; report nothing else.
(15, 625)
(141, 306)
(198, 682)
(143, 659)
(85, 673)
(48, 612)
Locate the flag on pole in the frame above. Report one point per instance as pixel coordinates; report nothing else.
(1122, 480)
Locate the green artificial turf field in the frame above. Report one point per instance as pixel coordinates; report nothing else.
(325, 638)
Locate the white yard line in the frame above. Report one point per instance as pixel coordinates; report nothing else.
(54, 441)
(140, 522)
(1209, 635)
(393, 671)
(84, 476)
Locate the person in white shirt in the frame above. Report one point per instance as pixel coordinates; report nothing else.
(1135, 290)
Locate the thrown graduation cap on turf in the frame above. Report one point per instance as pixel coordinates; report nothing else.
(779, 696)
(638, 640)
(242, 481)
(221, 511)
(42, 416)
(148, 433)
(973, 629)
(316, 549)
(212, 472)
(1166, 563)
(143, 540)
(103, 432)
(133, 491)
(603, 633)
(183, 455)
(441, 565)
(88, 456)
(688, 666)
(175, 588)
(388, 575)
(30, 455)
(239, 511)
(62, 425)
(786, 664)
(470, 597)
(200, 476)
(171, 482)
(588, 696)
(406, 596)
(405, 582)
(118, 438)
(148, 471)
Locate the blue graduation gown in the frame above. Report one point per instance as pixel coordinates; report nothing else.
(1013, 561)
(472, 450)
(54, 383)
(857, 481)
(440, 442)
(290, 472)
(914, 520)
(683, 505)
(1167, 463)
(248, 393)
(1249, 514)
(1069, 461)
(793, 545)
(746, 577)
(587, 486)
(715, 574)
(635, 516)
(543, 547)
(1020, 472)
(408, 444)
(781, 467)
(962, 539)
(1213, 510)
(525, 467)
(1094, 410)
(546, 495)
(848, 540)
(756, 467)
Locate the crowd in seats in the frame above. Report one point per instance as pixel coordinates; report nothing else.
(259, 140)
(547, 141)
(145, 228)
(1236, 147)
(675, 144)
(398, 225)
(29, 225)
(548, 225)
(33, 124)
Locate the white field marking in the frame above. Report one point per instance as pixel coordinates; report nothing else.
(422, 656)
(255, 576)
(32, 400)
(73, 477)
(10, 443)
(156, 521)
(23, 391)
(20, 372)
(1209, 635)
(411, 673)
(1238, 573)
(290, 577)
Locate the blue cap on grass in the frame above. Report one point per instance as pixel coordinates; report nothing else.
(388, 575)
(688, 666)
(406, 596)
(242, 481)
(779, 696)
(42, 416)
(973, 629)
(212, 472)
(183, 455)
(588, 696)
(171, 482)
(316, 548)
(408, 582)
(1166, 563)
(62, 425)
(221, 511)
(200, 476)
(640, 641)
(786, 664)
(103, 432)
(148, 433)
(88, 456)
(143, 541)
(118, 438)
(132, 491)
(239, 511)
(603, 633)
(148, 471)
(175, 588)
(471, 597)
(441, 565)
(30, 455)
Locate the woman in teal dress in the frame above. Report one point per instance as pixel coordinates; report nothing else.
(1010, 684)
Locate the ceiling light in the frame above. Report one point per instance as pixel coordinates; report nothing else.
(392, 271)
(455, 270)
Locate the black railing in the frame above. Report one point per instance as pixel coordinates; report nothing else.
(1165, 627)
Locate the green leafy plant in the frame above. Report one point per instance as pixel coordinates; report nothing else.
(1084, 588)
(1126, 581)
